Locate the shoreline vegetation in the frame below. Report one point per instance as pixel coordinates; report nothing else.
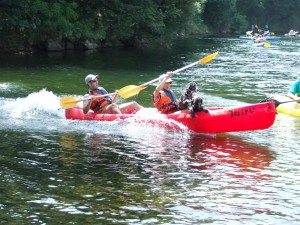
(59, 25)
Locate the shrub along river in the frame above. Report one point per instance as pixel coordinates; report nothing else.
(55, 171)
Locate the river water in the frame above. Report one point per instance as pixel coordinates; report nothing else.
(55, 171)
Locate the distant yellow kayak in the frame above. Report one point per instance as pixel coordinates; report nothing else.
(290, 108)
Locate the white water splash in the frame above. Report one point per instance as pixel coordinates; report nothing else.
(4, 86)
(41, 111)
(35, 105)
(150, 118)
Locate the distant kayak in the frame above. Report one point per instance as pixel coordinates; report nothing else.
(267, 38)
(216, 120)
(262, 44)
(259, 44)
(292, 33)
(289, 108)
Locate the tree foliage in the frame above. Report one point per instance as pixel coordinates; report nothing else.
(219, 14)
(278, 15)
(136, 21)
(102, 20)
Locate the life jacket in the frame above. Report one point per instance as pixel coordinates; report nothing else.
(99, 102)
(167, 102)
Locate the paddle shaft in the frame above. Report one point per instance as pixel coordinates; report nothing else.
(277, 103)
(288, 101)
(83, 99)
(100, 96)
(69, 101)
(174, 72)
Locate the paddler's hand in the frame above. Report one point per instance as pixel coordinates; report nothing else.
(92, 98)
(87, 103)
(115, 98)
(169, 74)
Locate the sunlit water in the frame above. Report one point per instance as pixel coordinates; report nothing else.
(56, 171)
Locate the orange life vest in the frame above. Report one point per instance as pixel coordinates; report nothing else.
(99, 102)
(167, 102)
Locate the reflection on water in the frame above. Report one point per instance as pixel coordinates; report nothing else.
(155, 175)
(228, 151)
(83, 172)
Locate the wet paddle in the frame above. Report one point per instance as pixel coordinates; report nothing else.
(267, 44)
(277, 103)
(131, 90)
(70, 102)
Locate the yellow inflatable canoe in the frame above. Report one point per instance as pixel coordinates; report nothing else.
(287, 106)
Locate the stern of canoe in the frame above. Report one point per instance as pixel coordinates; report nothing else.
(230, 119)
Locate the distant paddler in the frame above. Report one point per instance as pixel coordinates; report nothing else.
(294, 92)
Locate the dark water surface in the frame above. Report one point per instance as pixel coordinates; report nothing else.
(55, 171)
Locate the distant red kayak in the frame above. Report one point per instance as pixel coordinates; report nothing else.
(217, 120)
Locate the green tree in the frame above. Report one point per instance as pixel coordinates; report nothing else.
(220, 15)
(39, 18)
(278, 15)
(128, 21)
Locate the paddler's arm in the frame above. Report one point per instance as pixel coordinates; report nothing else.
(87, 103)
(160, 86)
(292, 96)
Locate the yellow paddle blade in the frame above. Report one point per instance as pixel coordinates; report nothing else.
(68, 102)
(267, 44)
(208, 58)
(272, 33)
(130, 90)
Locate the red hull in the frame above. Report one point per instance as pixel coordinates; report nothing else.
(217, 120)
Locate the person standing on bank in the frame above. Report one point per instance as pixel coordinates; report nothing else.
(163, 98)
(105, 104)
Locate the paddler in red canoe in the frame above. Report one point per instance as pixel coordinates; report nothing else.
(166, 102)
(99, 103)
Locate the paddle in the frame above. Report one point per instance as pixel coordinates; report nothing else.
(131, 90)
(277, 103)
(267, 44)
(70, 102)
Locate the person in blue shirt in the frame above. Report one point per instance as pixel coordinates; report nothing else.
(294, 92)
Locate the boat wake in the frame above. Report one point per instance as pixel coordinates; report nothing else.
(41, 111)
(150, 117)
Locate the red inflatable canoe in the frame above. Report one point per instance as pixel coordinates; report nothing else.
(217, 120)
